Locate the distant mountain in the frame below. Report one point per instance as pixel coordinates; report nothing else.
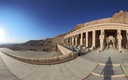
(32, 42)
(46, 42)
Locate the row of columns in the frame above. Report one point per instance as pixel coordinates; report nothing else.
(73, 40)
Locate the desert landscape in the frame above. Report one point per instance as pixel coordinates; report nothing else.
(48, 44)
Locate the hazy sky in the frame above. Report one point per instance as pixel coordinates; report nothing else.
(22, 20)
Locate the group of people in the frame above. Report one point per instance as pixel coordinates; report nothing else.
(110, 43)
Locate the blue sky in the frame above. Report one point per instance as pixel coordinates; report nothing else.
(23, 20)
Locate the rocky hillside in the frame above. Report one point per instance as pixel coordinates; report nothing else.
(48, 41)
(120, 17)
(32, 42)
(48, 44)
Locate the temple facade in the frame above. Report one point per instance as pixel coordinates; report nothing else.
(100, 34)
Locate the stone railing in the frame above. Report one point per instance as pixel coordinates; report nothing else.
(64, 50)
(45, 61)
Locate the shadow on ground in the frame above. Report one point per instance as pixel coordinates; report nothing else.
(108, 70)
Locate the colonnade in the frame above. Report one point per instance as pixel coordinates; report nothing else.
(119, 39)
(82, 39)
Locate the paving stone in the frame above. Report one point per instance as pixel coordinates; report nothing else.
(93, 77)
(110, 70)
(5, 74)
(102, 57)
(25, 71)
(77, 69)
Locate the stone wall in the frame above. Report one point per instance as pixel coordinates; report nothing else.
(46, 61)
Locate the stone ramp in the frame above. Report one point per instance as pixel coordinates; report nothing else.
(76, 69)
(5, 74)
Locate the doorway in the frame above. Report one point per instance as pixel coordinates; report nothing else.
(110, 38)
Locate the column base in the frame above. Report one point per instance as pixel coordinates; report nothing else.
(79, 46)
(100, 50)
(75, 45)
(120, 50)
(92, 48)
(72, 45)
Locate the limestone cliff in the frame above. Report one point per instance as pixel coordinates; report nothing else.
(121, 17)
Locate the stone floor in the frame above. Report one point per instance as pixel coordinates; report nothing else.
(102, 57)
(107, 72)
(5, 74)
(106, 65)
(94, 77)
(76, 69)
(112, 64)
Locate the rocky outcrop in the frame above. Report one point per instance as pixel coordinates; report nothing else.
(121, 17)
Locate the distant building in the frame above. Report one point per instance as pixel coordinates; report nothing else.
(101, 33)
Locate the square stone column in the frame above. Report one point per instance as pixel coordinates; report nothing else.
(93, 40)
(81, 40)
(68, 40)
(127, 43)
(65, 40)
(76, 40)
(86, 39)
(127, 39)
(72, 40)
(101, 37)
(119, 38)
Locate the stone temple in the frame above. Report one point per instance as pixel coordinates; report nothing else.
(95, 50)
(100, 33)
